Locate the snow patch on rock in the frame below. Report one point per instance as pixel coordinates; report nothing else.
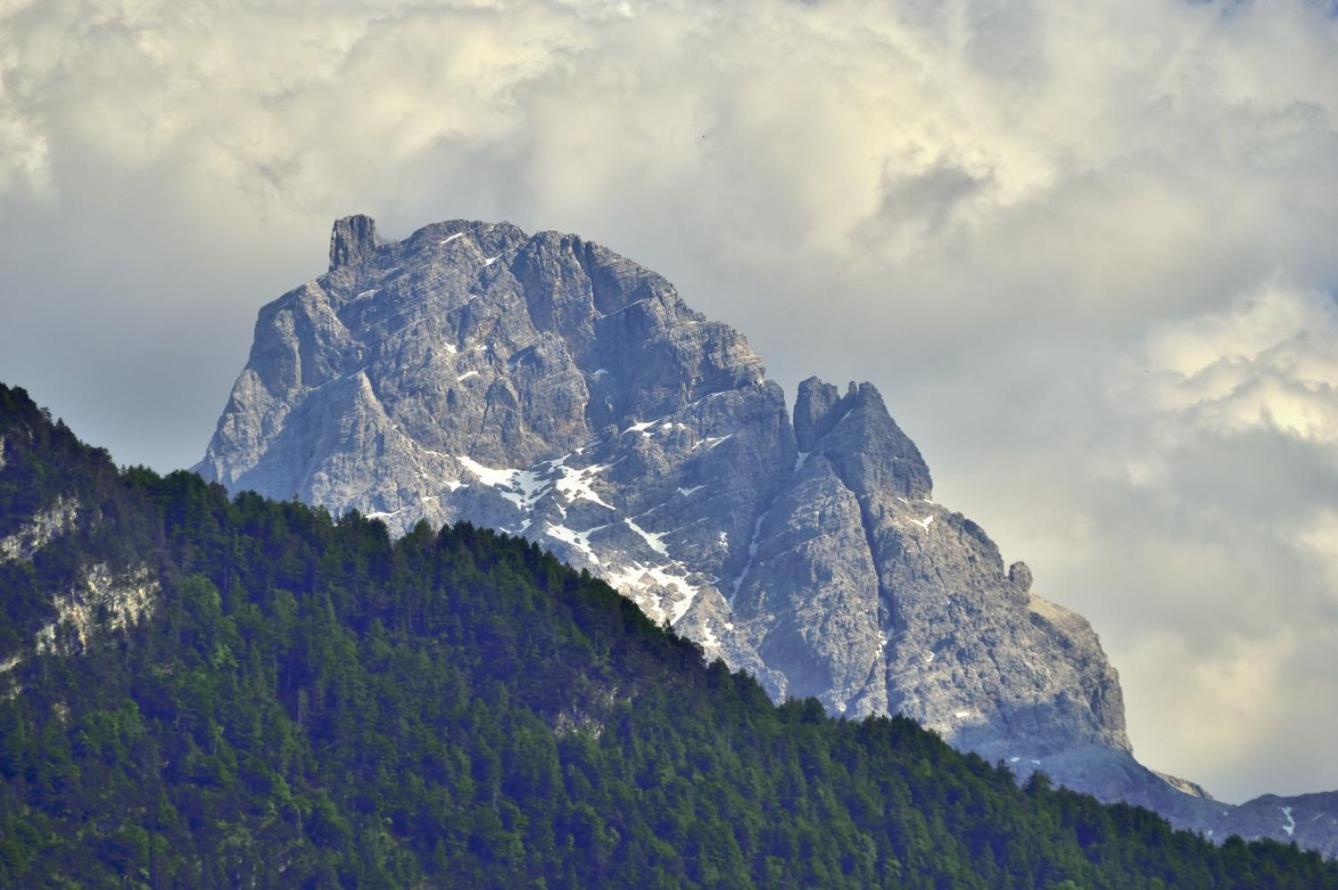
(712, 442)
(579, 540)
(709, 641)
(646, 585)
(752, 554)
(574, 484)
(656, 541)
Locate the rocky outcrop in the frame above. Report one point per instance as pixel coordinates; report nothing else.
(40, 529)
(104, 601)
(352, 241)
(56, 599)
(548, 387)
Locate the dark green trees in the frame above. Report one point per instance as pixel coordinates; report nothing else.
(310, 705)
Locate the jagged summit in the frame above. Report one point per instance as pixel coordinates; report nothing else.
(546, 386)
(549, 387)
(352, 240)
(870, 448)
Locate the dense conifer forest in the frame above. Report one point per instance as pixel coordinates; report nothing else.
(311, 705)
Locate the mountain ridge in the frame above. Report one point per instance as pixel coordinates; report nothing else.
(302, 701)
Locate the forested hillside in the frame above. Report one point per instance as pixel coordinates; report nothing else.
(290, 699)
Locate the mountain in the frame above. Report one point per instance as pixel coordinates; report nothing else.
(549, 388)
(203, 692)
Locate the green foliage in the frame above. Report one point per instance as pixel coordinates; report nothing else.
(313, 706)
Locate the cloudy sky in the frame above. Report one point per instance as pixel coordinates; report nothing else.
(1087, 251)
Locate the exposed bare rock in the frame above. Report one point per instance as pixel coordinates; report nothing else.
(1309, 820)
(352, 241)
(40, 529)
(545, 386)
(548, 387)
(103, 602)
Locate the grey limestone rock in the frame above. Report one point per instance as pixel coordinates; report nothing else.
(548, 387)
(352, 241)
(1309, 820)
(39, 529)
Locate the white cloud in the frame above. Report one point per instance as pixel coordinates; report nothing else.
(1003, 214)
(1180, 493)
(1269, 361)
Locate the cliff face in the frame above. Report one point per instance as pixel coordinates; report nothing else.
(551, 388)
(546, 386)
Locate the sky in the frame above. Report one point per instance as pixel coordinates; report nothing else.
(1087, 251)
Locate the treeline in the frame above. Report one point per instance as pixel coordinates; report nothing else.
(311, 705)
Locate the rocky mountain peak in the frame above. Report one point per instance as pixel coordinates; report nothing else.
(548, 387)
(816, 408)
(858, 435)
(352, 240)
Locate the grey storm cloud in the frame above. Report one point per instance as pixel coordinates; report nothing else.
(1087, 250)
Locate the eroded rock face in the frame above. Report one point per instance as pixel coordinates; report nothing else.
(542, 385)
(352, 241)
(40, 529)
(546, 386)
(103, 601)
